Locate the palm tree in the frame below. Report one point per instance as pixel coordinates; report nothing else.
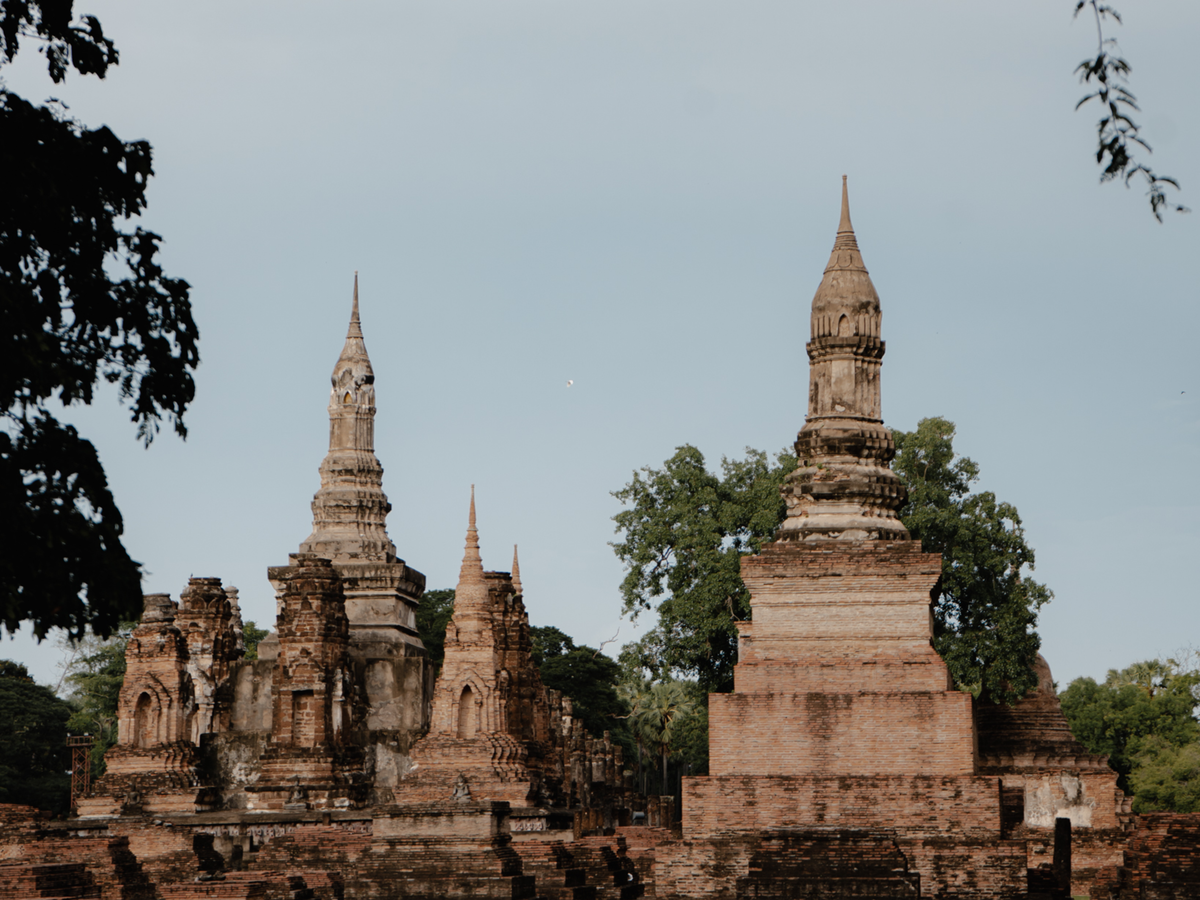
(657, 714)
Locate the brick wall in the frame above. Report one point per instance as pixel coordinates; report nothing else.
(927, 733)
(967, 805)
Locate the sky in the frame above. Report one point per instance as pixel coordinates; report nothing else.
(640, 197)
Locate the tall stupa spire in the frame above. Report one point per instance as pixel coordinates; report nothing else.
(516, 572)
(471, 593)
(844, 227)
(355, 330)
(472, 564)
(843, 487)
(350, 508)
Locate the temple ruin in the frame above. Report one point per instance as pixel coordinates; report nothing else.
(843, 764)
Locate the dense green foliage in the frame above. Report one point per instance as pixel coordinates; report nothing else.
(1165, 776)
(685, 530)
(984, 621)
(683, 537)
(251, 635)
(582, 673)
(1143, 719)
(34, 760)
(94, 674)
(433, 615)
(83, 302)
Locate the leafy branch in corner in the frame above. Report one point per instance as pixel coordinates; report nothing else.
(1116, 132)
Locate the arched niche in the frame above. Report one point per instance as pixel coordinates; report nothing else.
(145, 722)
(466, 713)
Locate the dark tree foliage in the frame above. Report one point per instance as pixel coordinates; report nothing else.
(684, 535)
(11, 669)
(34, 760)
(251, 636)
(548, 642)
(433, 615)
(1118, 136)
(985, 620)
(82, 301)
(1143, 719)
(585, 675)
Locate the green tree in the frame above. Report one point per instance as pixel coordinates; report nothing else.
(433, 615)
(34, 760)
(82, 301)
(984, 620)
(667, 718)
(582, 673)
(93, 675)
(683, 537)
(1140, 715)
(685, 530)
(1165, 776)
(251, 636)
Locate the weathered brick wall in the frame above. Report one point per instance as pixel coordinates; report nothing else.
(1162, 861)
(833, 600)
(841, 667)
(918, 732)
(835, 863)
(250, 706)
(967, 867)
(310, 708)
(920, 805)
(700, 869)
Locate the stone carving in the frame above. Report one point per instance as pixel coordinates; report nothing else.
(462, 790)
(298, 798)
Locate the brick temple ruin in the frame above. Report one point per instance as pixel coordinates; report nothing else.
(843, 764)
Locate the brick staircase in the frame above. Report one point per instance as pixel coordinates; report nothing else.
(594, 868)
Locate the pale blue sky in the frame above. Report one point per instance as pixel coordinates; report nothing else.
(641, 196)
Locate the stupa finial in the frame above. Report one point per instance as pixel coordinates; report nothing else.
(355, 330)
(516, 572)
(472, 564)
(843, 226)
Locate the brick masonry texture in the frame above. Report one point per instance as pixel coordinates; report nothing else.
(968, 805)
(895, 733)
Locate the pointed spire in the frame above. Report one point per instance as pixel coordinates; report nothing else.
(846, 285)
(471, 572)
(843, 226)
(355, 330)
(516, 572)
(354, 351)
(350, 509)
(845, 239)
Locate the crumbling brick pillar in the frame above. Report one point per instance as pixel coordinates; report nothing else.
(209, 622)
(312, 692)
(153, 766)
